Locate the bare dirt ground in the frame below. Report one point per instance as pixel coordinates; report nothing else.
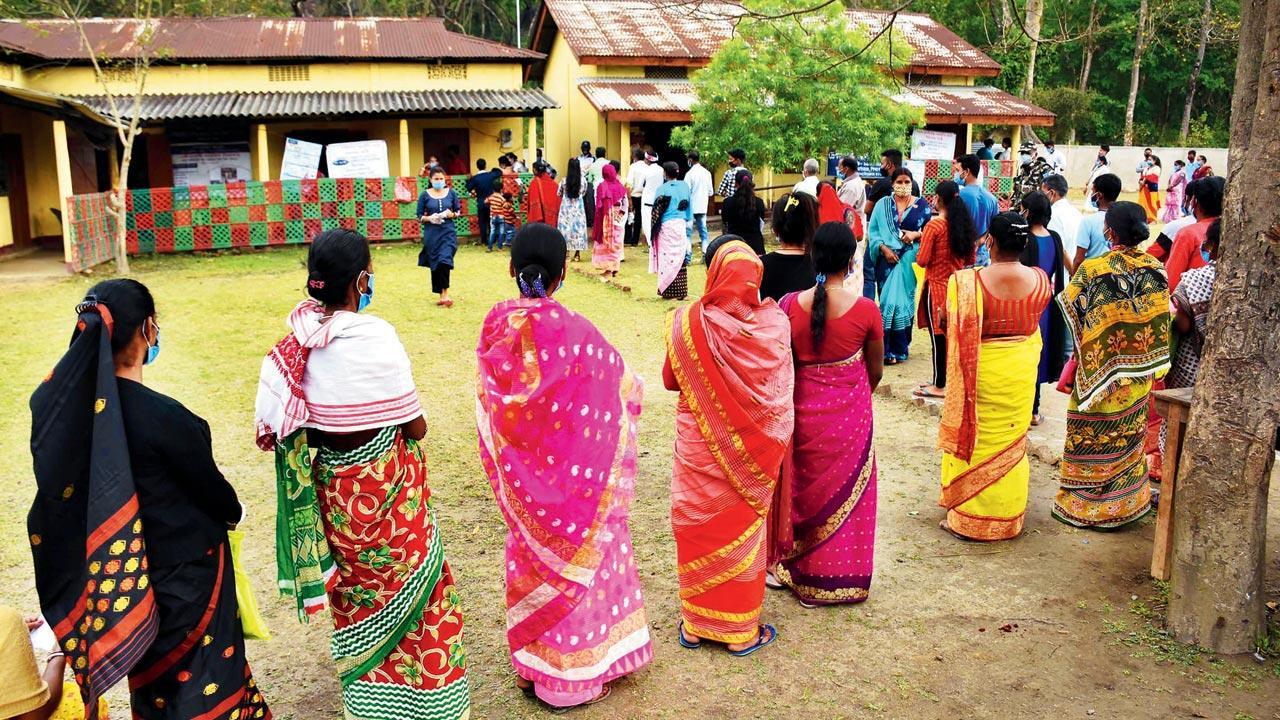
(1060, 623)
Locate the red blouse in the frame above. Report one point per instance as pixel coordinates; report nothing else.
(1019, 316)
(843, 336)
(939, 265)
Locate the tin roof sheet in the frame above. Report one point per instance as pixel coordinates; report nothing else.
(254, 38)
(306, 104)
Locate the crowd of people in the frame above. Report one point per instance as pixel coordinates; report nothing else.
(773, 480)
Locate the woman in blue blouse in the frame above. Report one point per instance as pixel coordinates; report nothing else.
(437, 207)
(897, 222)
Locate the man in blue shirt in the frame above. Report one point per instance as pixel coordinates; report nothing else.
(480, 186)
(985, 152)
(981, 203)
(1091, 242)
(1192, 165)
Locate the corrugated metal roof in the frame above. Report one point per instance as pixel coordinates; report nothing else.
(694, 30)
(306, 104)
(941, 103)
(249, 38)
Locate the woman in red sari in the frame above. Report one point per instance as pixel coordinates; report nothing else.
(729, 355)
(543, 202)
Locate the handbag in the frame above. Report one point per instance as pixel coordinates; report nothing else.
(255, 626)
(1067, 381)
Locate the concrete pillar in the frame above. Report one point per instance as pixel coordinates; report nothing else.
(1016, 139)
(62, 161)
(264, 154)
(624, 143)
(531, 142)
(113, 159)
(405, 170)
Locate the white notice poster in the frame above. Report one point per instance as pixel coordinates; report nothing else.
(361, 159)
(301, 159)
(932, 145)
(209, 164)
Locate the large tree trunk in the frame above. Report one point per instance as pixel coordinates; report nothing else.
(1090, 45)
(1220, 515)
(1035, 13)
(1135, 73)
(1206, 19)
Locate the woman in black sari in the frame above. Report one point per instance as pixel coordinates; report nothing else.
(128, 529)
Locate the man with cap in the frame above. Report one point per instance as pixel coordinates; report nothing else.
(1057, 161)
(585, 159)
(653, 179)
(1032, 171)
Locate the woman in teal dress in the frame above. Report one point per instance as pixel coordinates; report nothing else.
(897, 222)
(437, 207)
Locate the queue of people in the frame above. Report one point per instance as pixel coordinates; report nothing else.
(774, 473)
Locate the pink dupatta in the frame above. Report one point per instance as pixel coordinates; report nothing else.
(557, 411)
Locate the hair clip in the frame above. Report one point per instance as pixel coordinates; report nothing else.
(90, 302)
(821, 278)
(531, 290)
(317, 284)
(791, 202)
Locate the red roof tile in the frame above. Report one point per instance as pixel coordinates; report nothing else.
(246, 38)
(675, 30)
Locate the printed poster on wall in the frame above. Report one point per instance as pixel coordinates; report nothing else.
(360, 159)
(202, 164)
(932, 145)
(301, 160)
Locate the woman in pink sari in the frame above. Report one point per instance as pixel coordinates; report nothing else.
(837, 340)
(557, 410)
(611, 223)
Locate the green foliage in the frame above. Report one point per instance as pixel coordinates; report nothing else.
(792, 88)
(1072, 105)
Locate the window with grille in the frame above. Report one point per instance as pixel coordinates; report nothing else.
(118, 74)
(289, 73)
(448, 72)
(666, 72)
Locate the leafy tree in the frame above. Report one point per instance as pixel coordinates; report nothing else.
(796, 82)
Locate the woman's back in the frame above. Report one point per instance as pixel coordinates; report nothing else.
(852, 320)
(1013, 298)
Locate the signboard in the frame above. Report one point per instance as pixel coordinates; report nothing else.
(211, 164)
(932, 145)
(301, 159)
(360, 159)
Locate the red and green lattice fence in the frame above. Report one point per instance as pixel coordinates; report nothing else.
(999, 175)
(261, 214)
(93, 231)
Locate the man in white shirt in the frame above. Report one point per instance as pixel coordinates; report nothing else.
(809, 183)
(1057, 161)
(595, 173)
(852, 190)
(1065, 219)
(699, 180)
(653, 179)
(635, 183)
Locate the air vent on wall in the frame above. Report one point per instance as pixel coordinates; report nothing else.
(289, 73)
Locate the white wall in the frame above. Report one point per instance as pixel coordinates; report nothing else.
(1124, 161)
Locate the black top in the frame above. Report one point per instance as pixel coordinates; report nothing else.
(743, 220)
(184, 501)
(785, 274)
(883, 188)
(482, 183)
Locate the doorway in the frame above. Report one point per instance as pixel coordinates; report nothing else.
(13, 194)
(451, 147)
(657, 135)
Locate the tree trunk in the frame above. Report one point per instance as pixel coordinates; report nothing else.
(1135, 73)
(1220, 514)
(1035, 13)
(119, 206)
(1006, 18)
(1090, 45)
(1206, 19)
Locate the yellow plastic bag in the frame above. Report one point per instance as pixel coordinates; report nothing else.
(255, 626)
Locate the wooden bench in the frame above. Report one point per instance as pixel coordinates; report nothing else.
(1175, 407)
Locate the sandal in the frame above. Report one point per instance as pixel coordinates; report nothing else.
(768, 634)
(922, 393)
(1037, 419)
(685, 642)
(772, 582)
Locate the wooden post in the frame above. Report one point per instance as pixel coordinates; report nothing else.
(62, 161)
(264, 154)
(405, 170)
(1174, 406)
(531, 141)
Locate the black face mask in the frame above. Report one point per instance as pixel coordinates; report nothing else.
(884, 171)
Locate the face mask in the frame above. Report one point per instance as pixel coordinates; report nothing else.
(437, 184)
(366, 297)
(1102, 156)
(153, 351)
(1203, 253)
(958, 177)
(884, 172)
(902, 191)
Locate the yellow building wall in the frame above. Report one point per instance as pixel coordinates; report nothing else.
(483, 134)
(322, 77)
(577, 119)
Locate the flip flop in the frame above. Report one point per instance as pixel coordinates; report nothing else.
(920, 393)
(685, 643)
(765, 630)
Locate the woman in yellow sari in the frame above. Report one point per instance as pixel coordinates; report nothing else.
(729, 355)
(993, 350)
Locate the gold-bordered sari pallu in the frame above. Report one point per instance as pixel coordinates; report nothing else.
(986, 415)
(731, 355)
(1118, 309)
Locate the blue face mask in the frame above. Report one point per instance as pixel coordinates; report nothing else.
(437, 184)
(366, 297)
(1205, 254)
(959, 178)
(153, 351)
